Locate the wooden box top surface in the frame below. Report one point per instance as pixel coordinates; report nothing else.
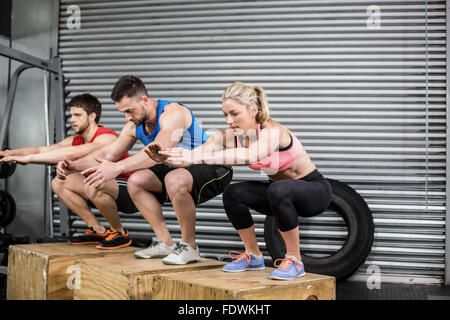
(243, 281)
(64, 249)
(128, 264)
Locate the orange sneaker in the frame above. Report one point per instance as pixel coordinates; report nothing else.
(90, 237)
(115, 240)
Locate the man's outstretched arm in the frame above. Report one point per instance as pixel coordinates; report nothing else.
(57, 154)
(172, 123)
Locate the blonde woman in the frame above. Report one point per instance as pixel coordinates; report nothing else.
(294, 187)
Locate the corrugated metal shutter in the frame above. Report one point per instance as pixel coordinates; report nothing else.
(367, 100)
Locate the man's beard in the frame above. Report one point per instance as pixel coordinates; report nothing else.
(141, 121)
(80, 129)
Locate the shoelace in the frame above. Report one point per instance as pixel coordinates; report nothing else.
(286, 263)
(240, 256)
(155, 244)
(89, 231)
(114, 234)
(180, 248)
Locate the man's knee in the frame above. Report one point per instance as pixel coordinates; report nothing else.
(177, 183)
(57, 185)
(100, 193)
(135, 181)
(91, 192)
(144, 180)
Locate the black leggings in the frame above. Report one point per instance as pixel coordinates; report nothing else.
(284, 199)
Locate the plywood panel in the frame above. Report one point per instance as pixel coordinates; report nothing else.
(127, 278)
(40, 271)
(216, 284)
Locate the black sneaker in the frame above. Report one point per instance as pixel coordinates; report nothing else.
(90, 237)
(115, 240)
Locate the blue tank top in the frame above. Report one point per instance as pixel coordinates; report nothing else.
(193, 137)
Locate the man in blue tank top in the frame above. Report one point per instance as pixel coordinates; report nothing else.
(169, 124)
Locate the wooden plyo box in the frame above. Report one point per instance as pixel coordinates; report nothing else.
(127, 278)
(249, 285)
(46, 270)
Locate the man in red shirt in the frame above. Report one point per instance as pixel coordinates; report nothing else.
(85, 112)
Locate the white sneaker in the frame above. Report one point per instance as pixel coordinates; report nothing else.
(183, 254)
(157, 249)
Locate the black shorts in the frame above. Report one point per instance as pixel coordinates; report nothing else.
(209, 181)
(123, 201)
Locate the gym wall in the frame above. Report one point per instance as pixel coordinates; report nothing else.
(33, 31)
(5, 34)
(362, 87)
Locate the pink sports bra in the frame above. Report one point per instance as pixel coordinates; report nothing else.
(278, 160)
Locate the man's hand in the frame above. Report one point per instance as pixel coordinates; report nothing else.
(179, 156)
(153, 151)
(23, 160)
(5, 153)
(64, 168)
(102, 173)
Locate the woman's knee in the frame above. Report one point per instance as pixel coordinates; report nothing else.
(235, 208)
(232, 193)
(277, 193)
(282, 206)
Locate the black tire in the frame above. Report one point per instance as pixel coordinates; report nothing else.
(7, 208)
(347, 203)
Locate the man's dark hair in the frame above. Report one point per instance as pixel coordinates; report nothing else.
(129, 86)
(88, 103)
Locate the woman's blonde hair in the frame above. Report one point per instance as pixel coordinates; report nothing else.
(249, 96)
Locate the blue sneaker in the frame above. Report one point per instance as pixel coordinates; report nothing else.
(243, 262)
(289, 268)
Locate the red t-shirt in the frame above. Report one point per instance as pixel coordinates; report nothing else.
(78, 140)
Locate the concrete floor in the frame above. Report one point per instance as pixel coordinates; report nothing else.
(358, 291)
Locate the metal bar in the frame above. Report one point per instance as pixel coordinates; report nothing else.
(48, 192)
(54, 66)
(60, 128)
(49, 65)
(447, 162)
(60, 104)
(9, 103)
(51, 122)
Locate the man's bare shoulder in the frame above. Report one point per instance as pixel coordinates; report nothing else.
(174, 106)
(175, 114)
